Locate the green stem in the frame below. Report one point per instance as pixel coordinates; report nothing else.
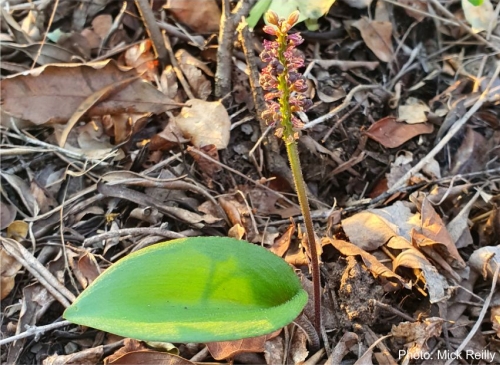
(293, 157)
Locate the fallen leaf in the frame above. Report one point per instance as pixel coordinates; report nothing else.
(435, 283)
(479, 16)
(142, 58)
(434, 228)
(88, 356)
(391, 133)
(7, 215)
(203, 18)
(224, 349)
(298, 347)
(150, 357)
(18, 230)
(204, 123)
(49, 53)
(281, 245)
(52, 94)
(416, 334)
(368, 231)
(377, 36)
(191, 68)
(9, 267)
(413, 111)
(101, 25)
(377, 269)
(420, 5)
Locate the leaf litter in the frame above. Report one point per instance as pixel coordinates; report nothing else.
(107, 149)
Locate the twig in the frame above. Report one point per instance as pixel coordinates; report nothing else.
(177, 69)
(51, 20)
(451, 133)
(342, 106)
(34, 331)
(51, 147)
(480, 318)
(153, 30)
(228, 23)
(464, 26)
(16, 250)
(133, 232)
(242, 175)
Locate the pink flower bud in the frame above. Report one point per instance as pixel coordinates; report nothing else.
(271, 29)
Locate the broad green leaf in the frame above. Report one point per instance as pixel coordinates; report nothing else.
(476, 2)
(310, 10)
(199, 289)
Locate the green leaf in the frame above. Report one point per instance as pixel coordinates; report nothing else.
(476, 2)
(257, 11)
(199, 289)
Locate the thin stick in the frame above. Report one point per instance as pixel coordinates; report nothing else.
(480, 318)
(153, 30)
(341, 107)
(451, 133)
(34, 331)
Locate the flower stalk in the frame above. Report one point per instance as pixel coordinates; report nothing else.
(285, 87)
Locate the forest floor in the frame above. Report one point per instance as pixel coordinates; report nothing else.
(124, 128)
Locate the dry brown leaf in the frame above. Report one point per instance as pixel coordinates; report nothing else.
(202, 18)
(281, 245)
(434, 228)
(191, 68)
(205, 123)
(391, 133)
(417, 5)
(129, 345)
(85, 357)
(377, 36)
(149, 357)
(436, 284)
(342, 348)
(142, 58)
(9, 267)
(273, 351)
(168, 82)
(101, 25)
(50, 53)
(414, 111)
(18, 230)
(372, 263)
(472, 155)
(298, 348)
(416, 334)
(52, 94)
(207, 167)
(368, 231)
(224, 349)
(7, 215)
(22, 189)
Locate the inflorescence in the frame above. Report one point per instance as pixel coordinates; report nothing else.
(281, 79)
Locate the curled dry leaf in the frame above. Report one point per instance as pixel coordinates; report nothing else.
(414, 111)
(376, 268)
(368, 231)
(191, 67)
(225, 349)
(204, 123)
(7, 215)
(142, 58)
(150, 357)
(417, 334)
(436, 284)
(420, 5)
(377, 36)
(434, 228)
(202, 18)
(391, 133)
(31, 96)
(88, 356)
(9, 267)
